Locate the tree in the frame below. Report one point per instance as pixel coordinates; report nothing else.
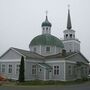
(21, 70)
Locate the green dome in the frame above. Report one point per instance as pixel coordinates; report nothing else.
(47, 39)
(46, 23)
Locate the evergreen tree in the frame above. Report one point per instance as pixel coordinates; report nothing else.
(21, 70)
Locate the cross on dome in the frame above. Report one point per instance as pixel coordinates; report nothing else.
(46, 12)
(68, 6)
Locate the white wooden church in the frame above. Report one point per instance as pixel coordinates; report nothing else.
(49, 58)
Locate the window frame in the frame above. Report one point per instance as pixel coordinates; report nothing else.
(48, 49)
(3, 69)
(34, 69)
(10, 68)
(66, 35)
(56, 70)
(71, 35)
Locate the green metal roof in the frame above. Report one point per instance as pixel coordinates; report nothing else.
(46, 22)
(47, 39)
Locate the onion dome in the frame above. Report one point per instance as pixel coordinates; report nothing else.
(46, 23)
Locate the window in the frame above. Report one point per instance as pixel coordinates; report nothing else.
(69, 70)
(34, 69)
(34, 49)
(10, 69)
(40, 69)
(17, 69)
(3, 68)
(56, 70)
(47, 49)
(70, 35)
(47, 28)
(66, 35)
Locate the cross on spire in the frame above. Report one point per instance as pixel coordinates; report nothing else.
(46, 12)
(68, 6)
(46, 15)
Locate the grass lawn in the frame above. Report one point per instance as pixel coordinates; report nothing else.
(42, 83)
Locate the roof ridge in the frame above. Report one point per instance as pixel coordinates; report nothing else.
(72, 54)
(26, 51)
(19, 49)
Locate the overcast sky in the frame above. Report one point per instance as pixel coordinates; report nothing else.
(20, 21)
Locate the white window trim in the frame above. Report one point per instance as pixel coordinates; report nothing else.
(46, 49)
(56, 69)
(2, 68)
(10, 68)
(35, 70)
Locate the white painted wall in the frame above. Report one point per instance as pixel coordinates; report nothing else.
(41, 49)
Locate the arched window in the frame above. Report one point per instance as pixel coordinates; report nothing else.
(70, 35)
(46, 28)
(43, 28)
(66, 35)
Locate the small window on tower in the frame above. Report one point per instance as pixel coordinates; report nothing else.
(47, 49)
(40, 69)
(70, 35)
(66, 35)
(47, 28)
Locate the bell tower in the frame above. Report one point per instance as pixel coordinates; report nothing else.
(70, 42)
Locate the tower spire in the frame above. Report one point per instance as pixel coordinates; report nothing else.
(46, 16)
(69, 25)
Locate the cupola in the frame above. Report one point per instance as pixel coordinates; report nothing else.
(46, 26)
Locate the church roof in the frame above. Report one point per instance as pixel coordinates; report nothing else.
(67, 56)
(33, 55)
(47, 39)
(59, 55)
(29, 54)
(25, 53)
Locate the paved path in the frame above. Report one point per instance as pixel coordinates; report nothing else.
(85, 86)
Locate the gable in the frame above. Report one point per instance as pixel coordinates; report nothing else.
(10, 54)
(78, 58)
